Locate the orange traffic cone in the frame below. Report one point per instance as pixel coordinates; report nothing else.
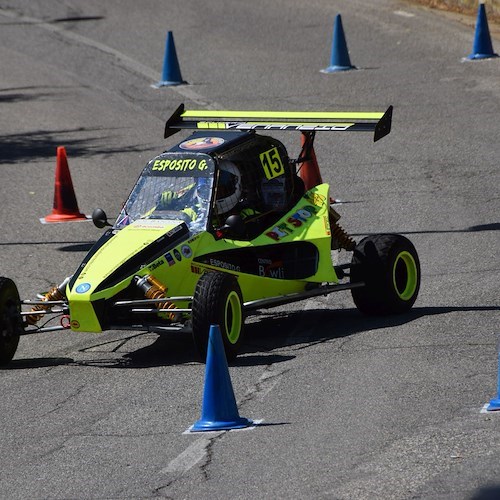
(65, 204)
(309, 171)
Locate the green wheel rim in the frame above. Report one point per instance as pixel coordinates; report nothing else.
(405, 275)
(232, 315)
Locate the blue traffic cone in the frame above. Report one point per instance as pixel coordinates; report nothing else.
(339, 60)
(171, 74)
(482, 48)
(495, 403)
(219, 410)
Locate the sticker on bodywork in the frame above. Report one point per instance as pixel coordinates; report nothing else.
(170, 259)
(201, 143)
(83, 288)
(179, 165)
(186, 251)
(296, 220)
(271, 163)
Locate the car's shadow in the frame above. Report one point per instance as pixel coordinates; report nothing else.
(25, 363)
(271, 337)
(302, 329)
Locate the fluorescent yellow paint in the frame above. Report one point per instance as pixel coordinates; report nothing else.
(83, 317)
(211, 125)
(286, 116)
(119, 249)
(124, 245)
(316, 229)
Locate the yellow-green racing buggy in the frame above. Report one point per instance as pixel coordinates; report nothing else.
(220, 226)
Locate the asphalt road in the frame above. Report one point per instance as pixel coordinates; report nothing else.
(352, 407)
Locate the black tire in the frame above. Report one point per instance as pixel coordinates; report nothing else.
(218, 301)
(389, 266)
(10, 320)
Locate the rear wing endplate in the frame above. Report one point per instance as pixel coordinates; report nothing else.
(306, 121)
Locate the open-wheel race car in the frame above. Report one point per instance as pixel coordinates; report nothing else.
(219, 226)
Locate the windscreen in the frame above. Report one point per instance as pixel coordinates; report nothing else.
(173, 186)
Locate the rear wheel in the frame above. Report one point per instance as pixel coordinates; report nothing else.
(389, 266)
(10, 320)
(218, 301)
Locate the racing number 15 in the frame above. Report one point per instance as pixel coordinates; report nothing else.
(271, 163)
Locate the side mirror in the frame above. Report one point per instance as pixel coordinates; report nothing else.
(99, 218)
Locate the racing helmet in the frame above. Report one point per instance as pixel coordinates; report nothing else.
(228, 188)
(202, 192)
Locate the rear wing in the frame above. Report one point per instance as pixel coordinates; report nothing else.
(307, 121)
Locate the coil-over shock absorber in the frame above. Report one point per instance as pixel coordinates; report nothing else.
(340, 238)
(55, 293)
(154, 289)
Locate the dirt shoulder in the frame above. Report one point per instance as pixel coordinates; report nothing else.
(465, 11)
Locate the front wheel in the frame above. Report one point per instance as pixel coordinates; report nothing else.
(218, 301)
(389, 266)
(10, 320)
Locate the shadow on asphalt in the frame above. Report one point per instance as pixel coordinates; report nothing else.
(491, 492)
(41, 144)
(494, 226)
(85, 246)
(265, 334)
(274, 331)
(22, 364)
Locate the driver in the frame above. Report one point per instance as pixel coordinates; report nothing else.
(229, 198)
(195, 197)
(189, 200)
(229, 190)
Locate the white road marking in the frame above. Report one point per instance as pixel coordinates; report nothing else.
(125, 61)
(403, 13)
(193, 454)
(197, 450)
(268, 381)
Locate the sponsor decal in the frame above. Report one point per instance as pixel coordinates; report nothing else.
(295, 260)
(150, 224)
(201, 143)
(193, 239)
(271, 269)
(280, 126)
(186, 251)
(83, 288)
(327, 225)
(296, 220)
(179, 164)
(316, 199)
(174, 230)
(196, 269)
(224, 265)
(177, 255)
(156, 265)
(170, 259)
